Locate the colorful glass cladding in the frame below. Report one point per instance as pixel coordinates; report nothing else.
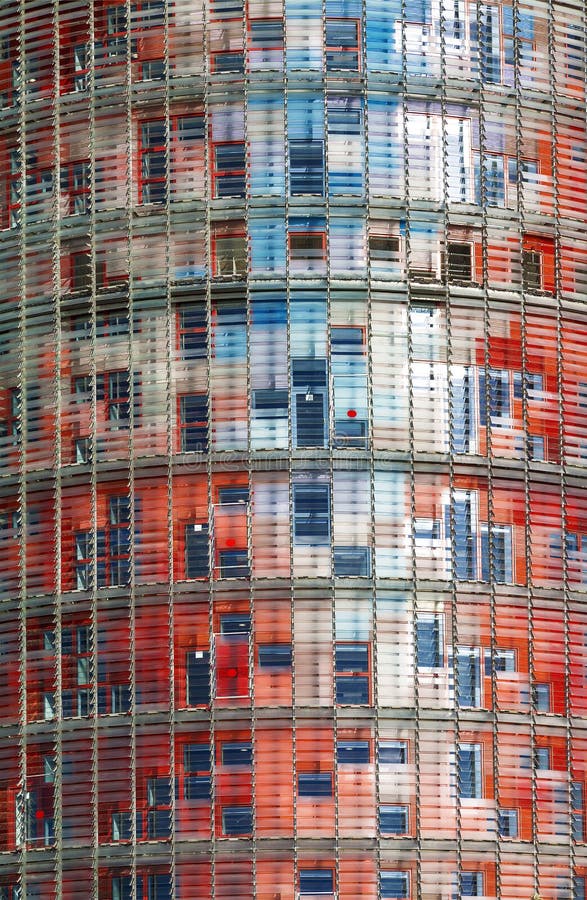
(293, 448)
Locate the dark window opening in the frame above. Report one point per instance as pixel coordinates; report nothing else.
(459, 262)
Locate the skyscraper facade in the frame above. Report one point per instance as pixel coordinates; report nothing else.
(293, 448)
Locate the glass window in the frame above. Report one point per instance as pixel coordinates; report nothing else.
(197, 554)
(393, 753)
(234, 563)
(196, 764)
(531, 270)
(459, 262)
(230, 255)
(352, 561)
(316, 881)
(542, 757)
(193, 422)
(235, 623)
(542, 697)
(469, 676)
(307, 246)
(469, 775)
(353, 753)
(229, 61)
(504, 660)
(237, 820)
(153, 162)
(393, 819)
(342, 44)
(269, 404)
(229, 495)
(352, 679)
(498, 389)
(395, 883)
(345, 115)
(429, 642)
(471, 884)
(237, 754)
(198, 678)
(311, 513)
(315, 784)
(193, 337)
(306, 167)
(122, 887)
(266, 33)
(229, 169)
(465, 534)
(159, 887)
(275, 656)
(507, 823)
(226, 9)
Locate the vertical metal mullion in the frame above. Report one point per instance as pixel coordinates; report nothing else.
(205, 6)
(486, 368)
(330, 437)
(56, 249)
(527, 483)
(290, 443)
(129, 201)
(22, 486)
(411, 452)
(251, 591)
(364, 94)
(93, 442)
(559, 322)
(170, 389)
(451, 536)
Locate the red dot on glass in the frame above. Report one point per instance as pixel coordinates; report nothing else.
(232, 673)
(230, 542)
(351, 413)
(39, 814)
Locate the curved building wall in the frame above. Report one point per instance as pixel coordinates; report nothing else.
(293, 436)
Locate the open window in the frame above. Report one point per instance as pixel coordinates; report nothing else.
(307, 251)
(430, 641)
(309, 402)
(458, 262)
(229, 251)
(507, 823)
(531, 270)
(468, 673)
(384, 250)
(470, 883)
(469, 772)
